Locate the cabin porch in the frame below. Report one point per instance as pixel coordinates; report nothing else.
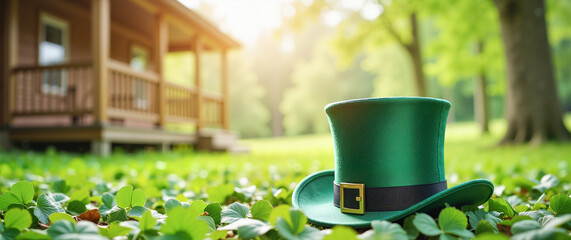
(100, 95)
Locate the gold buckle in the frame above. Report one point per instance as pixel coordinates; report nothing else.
(360, 198)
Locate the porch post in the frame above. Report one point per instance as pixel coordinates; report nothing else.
(10, 58)
(197, 82)
(100, 15)
(160, 49)
(225, 92)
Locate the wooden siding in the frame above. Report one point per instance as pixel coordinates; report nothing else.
(96, 95)
(28, 30)
(4, 15)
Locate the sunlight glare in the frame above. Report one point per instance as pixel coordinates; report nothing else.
(192, 4)
(333, 18)
(307, 3)
(246, 20)
(371, 10)
(354, 5)
(287, 45)
(289, 11)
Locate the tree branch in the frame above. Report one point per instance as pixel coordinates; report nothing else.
(393, 32)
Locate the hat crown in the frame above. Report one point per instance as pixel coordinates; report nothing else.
(389, 142)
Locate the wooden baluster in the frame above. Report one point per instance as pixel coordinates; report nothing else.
(70, 89)
(38, 92)
(45, 82)
(124, 94)
(26, 91)
(120, 91)
(82, 82)
(113, 91)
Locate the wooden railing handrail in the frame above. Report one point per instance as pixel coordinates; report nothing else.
(212, 96)
(181, 87)
(124, 68)
(55, 66)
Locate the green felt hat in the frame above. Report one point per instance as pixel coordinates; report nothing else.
(389, 163)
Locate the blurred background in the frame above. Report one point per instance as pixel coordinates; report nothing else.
(299, 55)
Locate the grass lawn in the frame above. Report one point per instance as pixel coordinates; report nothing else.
(279, 162)
(269, 172)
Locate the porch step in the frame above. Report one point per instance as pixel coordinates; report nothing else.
(219, 140)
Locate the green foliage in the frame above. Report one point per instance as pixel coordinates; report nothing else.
(341, 233)
(451, 222)
(54, 217)
(214, 210)
(521, 179)
(114, 230)
(261, 210)
(21, 193)
(147, 221)
(19, 219)
(128, 198)
(560, 204)
(234, 212)
(302, 116)
(476, 218)
(68, 230)
(502, 206)
(24, 191)
(248, 114)
(292, 226)
(384, 230)
(185, 222)
(46, 206)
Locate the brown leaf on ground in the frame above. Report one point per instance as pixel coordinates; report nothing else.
(91, 215)
(504, 229)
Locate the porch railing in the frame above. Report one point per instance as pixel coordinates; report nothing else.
(181, 103)
(64, 89)
(132, 94)
(212, 109)
(67, 89)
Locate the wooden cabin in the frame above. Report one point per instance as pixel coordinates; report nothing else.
(93, 71)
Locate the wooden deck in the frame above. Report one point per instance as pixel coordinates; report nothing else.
(101, 137)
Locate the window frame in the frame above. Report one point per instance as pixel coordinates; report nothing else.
(48, 86)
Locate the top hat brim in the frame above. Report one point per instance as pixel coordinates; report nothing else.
(314, 196)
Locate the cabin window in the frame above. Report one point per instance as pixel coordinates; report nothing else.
(139, 61)
(53, 50)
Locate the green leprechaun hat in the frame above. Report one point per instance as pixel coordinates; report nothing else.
(389, 163)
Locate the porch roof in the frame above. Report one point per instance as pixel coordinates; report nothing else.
(194, 19)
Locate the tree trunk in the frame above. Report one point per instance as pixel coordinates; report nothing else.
(533, 111)
(481, 112)
(416, 56)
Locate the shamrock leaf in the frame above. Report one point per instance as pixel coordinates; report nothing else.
(547, 181)
(68, 230)
(560, 204)
(24, 191)
(384, 230)
(183, 222)
(481, 215)
(214, 210)
(17, 218)
(426, 225)
(502, 206)
(261, 210)
(127, 197)
(172, 203)
(234, 212)
(108, 203)
(46, 206)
